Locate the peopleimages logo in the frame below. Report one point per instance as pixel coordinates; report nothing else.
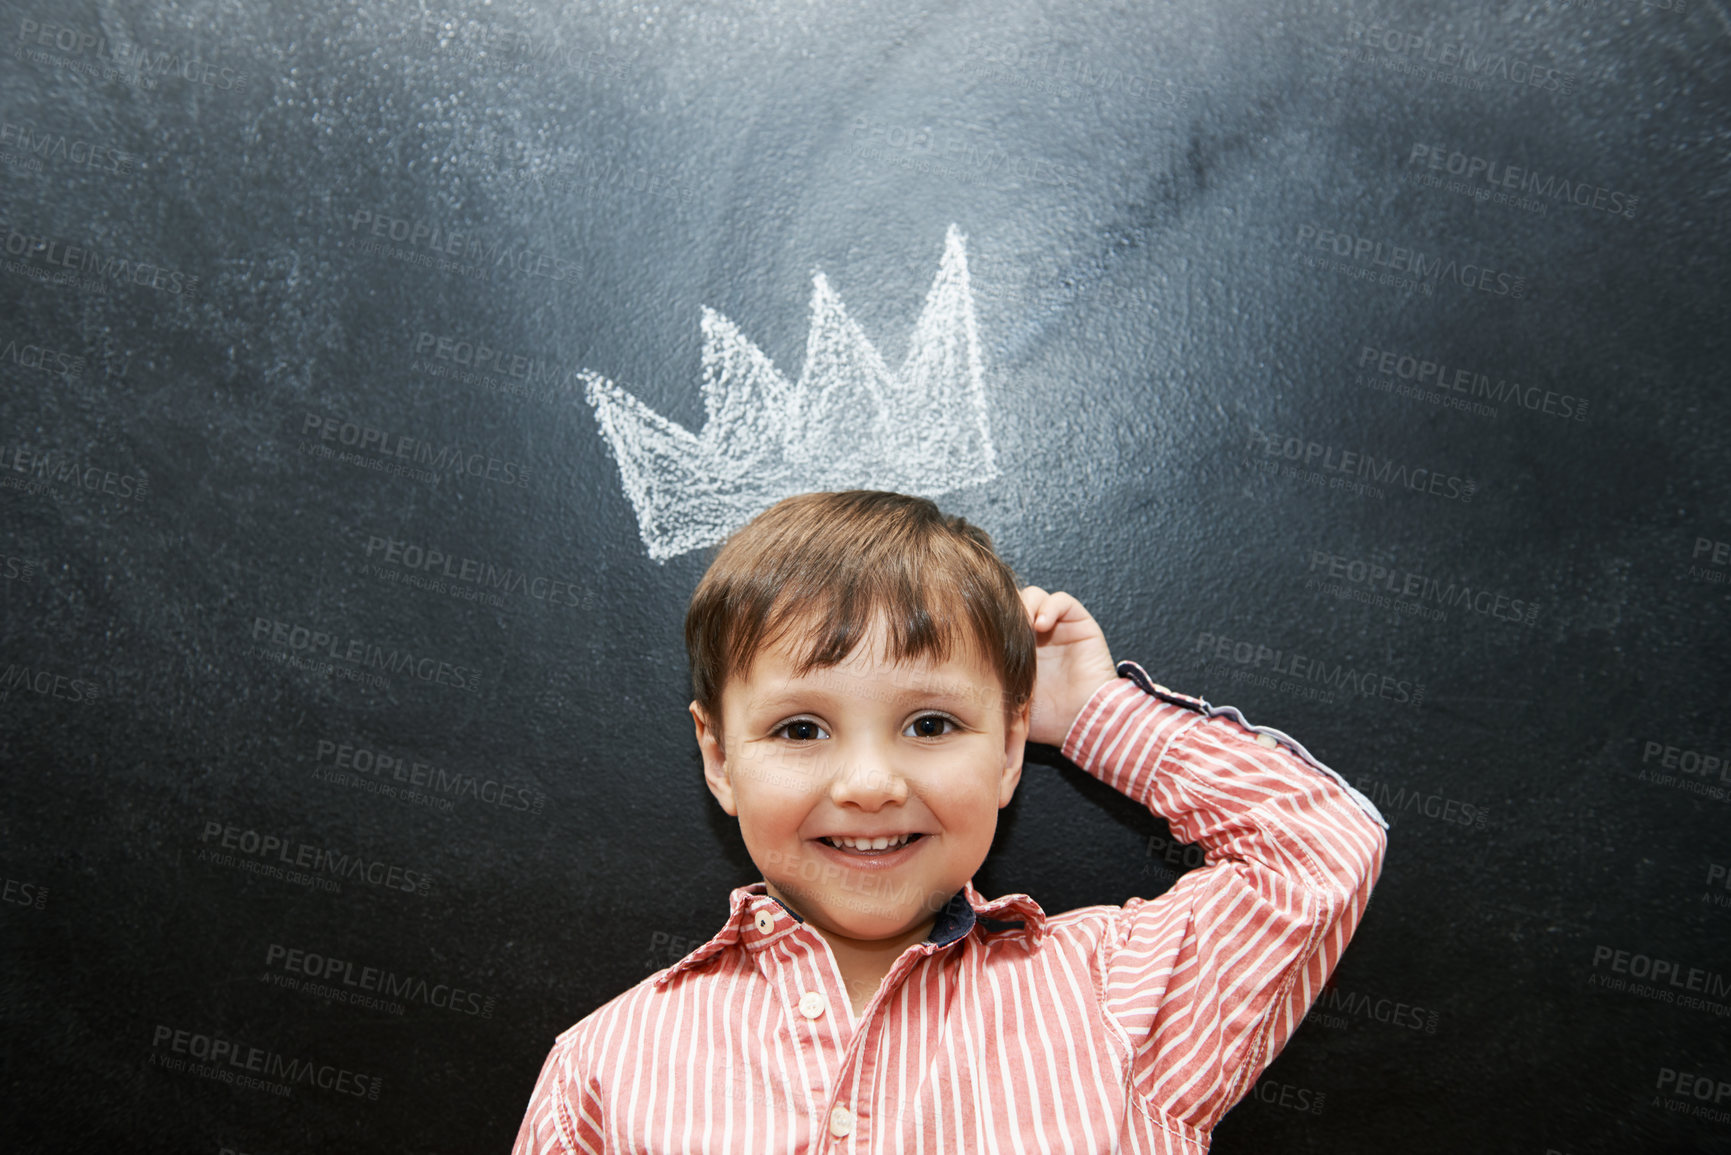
(320, 861)
(1334, 1005)
(1384, 471)
(1680, 983)
(41, 357)
(1376, 578)
(1439, 374)
(1285, 663)
(302, 640)
(228, 1059)
(1521, 180)
(355, 980)
(434, 240)
(70, 259)
(334, 757)
(46, 683)
(1688, 761)
(481, 358)
(62, 149)
(1396, 801)
(1408, 259)
(22, 893)
(53, 467)
(438, 566)
(1712, 1094)
(137, 57)
(416, 451)
(1456, 56)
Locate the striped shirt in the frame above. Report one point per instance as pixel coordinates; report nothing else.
(1106, 1028)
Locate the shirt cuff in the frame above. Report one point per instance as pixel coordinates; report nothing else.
(1084, 743)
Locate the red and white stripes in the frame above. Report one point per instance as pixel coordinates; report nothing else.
(1130, 1028)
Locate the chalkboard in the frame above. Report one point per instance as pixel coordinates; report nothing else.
(378, 379)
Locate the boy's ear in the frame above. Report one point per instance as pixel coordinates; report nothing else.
(1015, 745)
(714, 760)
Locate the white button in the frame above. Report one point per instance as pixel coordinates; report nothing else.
(811, 1004)
(765, 921)
(841, 1122)
(1268, 740)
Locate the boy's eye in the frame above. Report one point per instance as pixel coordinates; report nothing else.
(925, 726)
(931, 726)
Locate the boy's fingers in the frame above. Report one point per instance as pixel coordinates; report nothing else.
(1046, 610)
(1051, 610)
(1061, 607)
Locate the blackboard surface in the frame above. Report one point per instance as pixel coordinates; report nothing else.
(1362, 367)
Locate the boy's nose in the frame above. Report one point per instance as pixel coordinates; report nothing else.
(869, 782)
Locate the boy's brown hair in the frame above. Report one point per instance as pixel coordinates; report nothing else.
(838, 560)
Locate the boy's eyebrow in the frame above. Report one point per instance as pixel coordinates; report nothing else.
(864, 689)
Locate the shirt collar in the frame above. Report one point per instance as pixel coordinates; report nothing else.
(755, 919)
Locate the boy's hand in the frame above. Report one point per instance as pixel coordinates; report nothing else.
(1072, 662)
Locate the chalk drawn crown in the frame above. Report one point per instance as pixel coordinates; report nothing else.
(848, 423)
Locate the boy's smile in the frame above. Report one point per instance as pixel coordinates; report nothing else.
(865, 750)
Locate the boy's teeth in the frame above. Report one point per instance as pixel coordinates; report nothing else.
(870, 843)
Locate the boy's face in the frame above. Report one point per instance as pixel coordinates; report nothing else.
(865, 748)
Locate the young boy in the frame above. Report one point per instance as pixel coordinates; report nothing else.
(866, 672)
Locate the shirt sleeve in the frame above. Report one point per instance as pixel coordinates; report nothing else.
(564, 1115)
(1208, 981)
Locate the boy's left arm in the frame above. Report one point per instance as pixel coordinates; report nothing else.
(564, 1112)
(1209, 980)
